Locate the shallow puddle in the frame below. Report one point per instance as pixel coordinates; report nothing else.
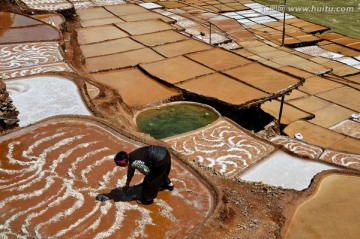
(174, 119)
(8, 20)
(26, 34)
(333, 212)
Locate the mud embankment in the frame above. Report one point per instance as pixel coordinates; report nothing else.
(8, 112)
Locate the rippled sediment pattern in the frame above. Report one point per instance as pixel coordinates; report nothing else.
(298, 147)
(51, 173)
(342, 159)
(222, 146)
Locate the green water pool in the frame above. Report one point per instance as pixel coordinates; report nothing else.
(173, 119)
(341, 16)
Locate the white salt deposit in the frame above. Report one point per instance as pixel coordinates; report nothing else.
(37, 98)
(150, 5)
(348, 61)
(284, 170)
(318, 51)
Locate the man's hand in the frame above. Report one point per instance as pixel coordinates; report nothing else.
(125, 189)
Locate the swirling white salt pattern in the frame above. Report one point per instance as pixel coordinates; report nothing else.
(71, 192)
(51, 175)
(221, 146)
(343, 159)
(56, 5)
(298, 147)
(26, 71)
(29, 54)
(348, 127)
(311, 151)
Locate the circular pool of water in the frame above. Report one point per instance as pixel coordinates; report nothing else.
(175, 118)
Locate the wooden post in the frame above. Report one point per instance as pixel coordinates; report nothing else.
(283, 33)
(281, 108)
(210, 34)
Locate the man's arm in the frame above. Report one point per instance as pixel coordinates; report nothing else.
(130, 174)
(139, 165)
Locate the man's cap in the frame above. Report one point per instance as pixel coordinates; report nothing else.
(121, 158)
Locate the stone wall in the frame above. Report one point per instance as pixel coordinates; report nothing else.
(8, 112)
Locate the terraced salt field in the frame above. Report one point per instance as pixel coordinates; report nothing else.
(319, 216)
(48, 94)
(74, 75)
(52, 172)
(221, 146)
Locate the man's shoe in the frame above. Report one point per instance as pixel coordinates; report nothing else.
(169, 187)
(145, 202)
(102, 198)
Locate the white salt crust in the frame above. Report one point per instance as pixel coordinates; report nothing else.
(284, 170)
(37, 98)
(31, 167)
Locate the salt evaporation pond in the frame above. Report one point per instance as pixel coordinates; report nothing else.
(333, 211)
(287, 171)
(51, 173)
(37, 98)
(175, 118)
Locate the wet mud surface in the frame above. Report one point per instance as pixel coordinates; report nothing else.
(329, 212)
(126, 82)
(223, 87)
(187, 69)
(55, 170)
(121, 60)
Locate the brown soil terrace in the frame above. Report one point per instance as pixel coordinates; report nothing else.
(317, 205)
(125, 56)
(65, 169)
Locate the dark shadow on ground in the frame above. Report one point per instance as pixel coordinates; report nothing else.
(118, 195)
(252, 118)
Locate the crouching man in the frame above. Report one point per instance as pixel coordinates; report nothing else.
(152, 161)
